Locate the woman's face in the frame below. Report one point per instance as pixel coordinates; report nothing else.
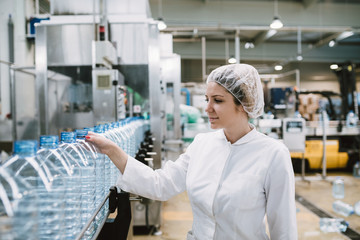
(221, 108)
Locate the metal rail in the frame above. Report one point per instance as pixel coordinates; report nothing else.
(88, 223)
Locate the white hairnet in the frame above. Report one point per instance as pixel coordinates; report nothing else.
(243, 82)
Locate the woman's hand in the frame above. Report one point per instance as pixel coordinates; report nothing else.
(103, 144)
(108, 147)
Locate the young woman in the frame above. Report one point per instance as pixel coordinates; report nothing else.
(236, 178)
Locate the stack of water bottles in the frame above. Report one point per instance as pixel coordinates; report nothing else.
(53, 190)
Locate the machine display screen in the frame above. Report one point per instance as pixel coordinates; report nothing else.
(294, 127)
(103, 82)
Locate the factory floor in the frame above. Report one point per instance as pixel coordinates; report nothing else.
(314, 200)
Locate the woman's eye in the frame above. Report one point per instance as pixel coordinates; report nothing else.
(206, 100)
(218, 101)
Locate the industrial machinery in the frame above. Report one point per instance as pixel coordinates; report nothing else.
(314, 153)
(102, 62)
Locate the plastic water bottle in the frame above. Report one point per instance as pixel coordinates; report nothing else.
(333, 225)
(342, 208)
(48, 183)
(89, 183)
(18, 208)
(357, 208)
(351, 119)
(71, 171)
(356, 170)
(338, 189)
(77, 151)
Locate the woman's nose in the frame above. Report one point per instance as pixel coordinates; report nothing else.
(208, 107)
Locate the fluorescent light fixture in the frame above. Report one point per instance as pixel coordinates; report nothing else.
(276, 23)
(332, 43)
(249, 45)
(344, 35)
(278, 67)
(232, 60)
(334, 66)
(161, 24)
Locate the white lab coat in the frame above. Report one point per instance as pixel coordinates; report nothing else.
(230, 186)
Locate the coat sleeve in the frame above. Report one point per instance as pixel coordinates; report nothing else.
(160, 184)
(280, 194)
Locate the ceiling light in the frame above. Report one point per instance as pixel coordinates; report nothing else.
(249, 45)
(276, 23)
(278, 67)
(232, 60)
(299, 58)
(334, 66)
(161, 24)
(332, 43)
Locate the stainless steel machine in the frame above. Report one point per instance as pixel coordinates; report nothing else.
(109, 52)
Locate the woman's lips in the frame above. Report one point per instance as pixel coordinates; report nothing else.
(212, 119)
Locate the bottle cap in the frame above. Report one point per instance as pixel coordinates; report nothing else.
(49, 141)
(25, 147)
(68, 137)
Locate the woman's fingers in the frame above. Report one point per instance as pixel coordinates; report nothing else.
(101, 143)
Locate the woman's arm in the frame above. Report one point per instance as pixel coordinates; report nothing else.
(138, 178)
(280, 195)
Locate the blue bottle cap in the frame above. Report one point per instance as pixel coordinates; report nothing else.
(26, 147)
(49, 141)
(68, 137)
(81, 133)
(91, 129)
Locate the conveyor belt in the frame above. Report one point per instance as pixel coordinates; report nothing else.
(350, 233)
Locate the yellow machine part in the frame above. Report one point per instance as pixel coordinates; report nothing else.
(314, 151)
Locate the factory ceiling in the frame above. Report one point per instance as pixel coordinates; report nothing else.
(318, 31)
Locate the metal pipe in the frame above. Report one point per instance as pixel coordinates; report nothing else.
(237, 46)
(323, 113)
(203, 57)
(229, 27)
(12, 103)
(281, 75)
(11, 39)
(226, 50)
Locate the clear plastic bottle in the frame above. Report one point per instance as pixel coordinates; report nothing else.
(89, 182)
(356, 170)
(357, 208)
(342, 208)
(18, 208)
(77, 152)
(71, 171)
(48, 183)
(333, 225)
(351, 119)
(338, 188)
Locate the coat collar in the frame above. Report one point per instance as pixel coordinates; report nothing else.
(248, 137)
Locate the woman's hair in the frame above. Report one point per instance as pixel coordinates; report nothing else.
(243, 82)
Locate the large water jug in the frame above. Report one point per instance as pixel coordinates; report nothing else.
(78, 153)
(71, 171)
(338, 188)
(47, 180)
(18, 208)
(89, 182)
(100, 129)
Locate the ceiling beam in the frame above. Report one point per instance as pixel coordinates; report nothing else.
(263, 36)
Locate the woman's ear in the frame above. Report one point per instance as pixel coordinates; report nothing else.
(240, 108)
